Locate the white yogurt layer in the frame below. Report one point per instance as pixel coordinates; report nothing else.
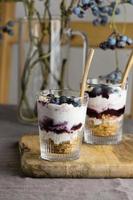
(63, 113)
(59, 138)
(116, 101)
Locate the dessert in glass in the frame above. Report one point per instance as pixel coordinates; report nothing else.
(61, 119)
(105, 111)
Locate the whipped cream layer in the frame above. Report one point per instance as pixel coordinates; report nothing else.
(115, 101)
(62, 114)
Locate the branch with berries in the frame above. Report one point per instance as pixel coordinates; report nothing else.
(116, 40)
(7, 29)
(104, 12)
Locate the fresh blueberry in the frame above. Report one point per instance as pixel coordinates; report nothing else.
(63, 99)
(77, 10)
(112, 41)
(104, 9)
(117, 11)
(110, 11)
(105, 92)
(70, 101)
(95, 11)
(118, 76)
(92, 4)
(56, 100)
(109, 90)
(98, 90)
(81, 15)
(92, 93)
(8, 30)
(53, 100)
(121, 44)
(75, 104)
(96, 21)
(103, 45)
(111, 76)
(129, 41)
(124, 38)
(85, 7)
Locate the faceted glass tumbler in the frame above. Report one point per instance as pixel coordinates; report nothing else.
(105, 112)
(61, 124)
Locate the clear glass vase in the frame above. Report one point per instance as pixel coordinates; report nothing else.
(43, 58)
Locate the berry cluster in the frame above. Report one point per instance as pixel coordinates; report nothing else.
(99, 9)
(63, 99)
(101, 89)
(113, 77)
(116, 40)
(7, 28)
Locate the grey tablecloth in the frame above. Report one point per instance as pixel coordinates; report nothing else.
(14, 186)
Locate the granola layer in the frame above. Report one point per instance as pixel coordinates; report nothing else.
(64, 147)
(106, 126)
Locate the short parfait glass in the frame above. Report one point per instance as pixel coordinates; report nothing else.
(61, 119)
(105, 112)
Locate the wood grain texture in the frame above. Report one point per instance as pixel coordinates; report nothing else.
(95, 160)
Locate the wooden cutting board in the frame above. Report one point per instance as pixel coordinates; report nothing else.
(95, 160)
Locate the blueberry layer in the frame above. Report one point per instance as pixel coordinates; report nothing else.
(111, 112)
(48, 125)
(101, 89)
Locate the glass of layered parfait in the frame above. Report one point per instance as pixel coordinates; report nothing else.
(61, 119)
(105, 112)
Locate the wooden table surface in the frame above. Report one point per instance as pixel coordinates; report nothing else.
(14, 186)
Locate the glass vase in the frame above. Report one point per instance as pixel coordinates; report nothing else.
(43, 60)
